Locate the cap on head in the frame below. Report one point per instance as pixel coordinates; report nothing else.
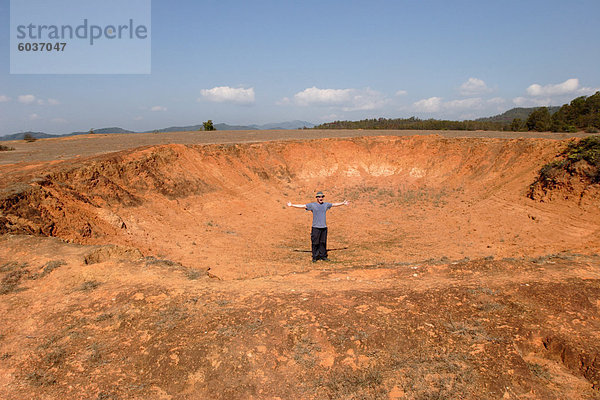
(320, 194)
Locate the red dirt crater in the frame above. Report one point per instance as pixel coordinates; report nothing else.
(223, 206)
(176, 271)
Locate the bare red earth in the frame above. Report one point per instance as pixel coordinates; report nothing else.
(184, 275)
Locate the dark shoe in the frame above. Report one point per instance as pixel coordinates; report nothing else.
(315, 260)
(325, 259)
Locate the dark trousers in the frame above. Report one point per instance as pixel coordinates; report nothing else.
(318, 238)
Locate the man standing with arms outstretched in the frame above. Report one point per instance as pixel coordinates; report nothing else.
(318, 234)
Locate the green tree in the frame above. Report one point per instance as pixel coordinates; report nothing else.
(517, 125)
(28, 137)
(208, 125)
(539, 120)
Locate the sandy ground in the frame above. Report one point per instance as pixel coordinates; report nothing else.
(175, 270)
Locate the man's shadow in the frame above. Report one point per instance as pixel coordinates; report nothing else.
(310, 251)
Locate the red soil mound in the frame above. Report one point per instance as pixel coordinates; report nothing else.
(223, 206)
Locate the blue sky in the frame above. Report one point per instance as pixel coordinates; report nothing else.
(244, 62)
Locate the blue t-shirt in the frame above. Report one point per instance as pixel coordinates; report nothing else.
(318, 211)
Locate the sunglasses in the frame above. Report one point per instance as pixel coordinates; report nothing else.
(320, 197)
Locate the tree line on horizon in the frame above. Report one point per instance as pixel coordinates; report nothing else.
(583, 113)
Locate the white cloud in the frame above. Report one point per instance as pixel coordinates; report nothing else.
(401, 92)
(26, 98)
(473, 86)
(138, 118)
(553, 94)
(432, 104)
(496, 100)
(226, 94)
(587, 91)
(568, 86)
(331, 117)
(40, 102)
(436, 104)
(345, 99)
(532, 101)
(158, 108)
(366, 99)
(470, 103)
(59, 120)
(53, 102)
(33, 116)
(316, 96)
(4, 98)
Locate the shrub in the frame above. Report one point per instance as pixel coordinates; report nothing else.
(6, 148)
(587, 149)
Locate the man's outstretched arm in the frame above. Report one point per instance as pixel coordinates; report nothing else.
(289, 204)
(343, 203)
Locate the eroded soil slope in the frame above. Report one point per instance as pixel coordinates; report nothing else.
(177, 272)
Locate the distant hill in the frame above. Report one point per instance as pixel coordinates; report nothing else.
(220, 127)
(176, 129)
(519, 112)
(103, 130)
(226, 127)
(286, 125)
(188, 128)
(21, 135)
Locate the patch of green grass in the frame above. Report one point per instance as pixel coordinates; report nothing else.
(96, 355)
(472, 331)
(305, 351)
(160, 261)
(10, 281)
(360, 384)
(437, 261)
(51, 266)
(190, 273)
(12, 266)
(41, 378)
(88, 285)
(50, 341)
(104, 317)
(54, 357)
(193, 274)
(47, 268)
(490, 306)
(539, 371)
(170, 317)
(434, 374)
(107, 396)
